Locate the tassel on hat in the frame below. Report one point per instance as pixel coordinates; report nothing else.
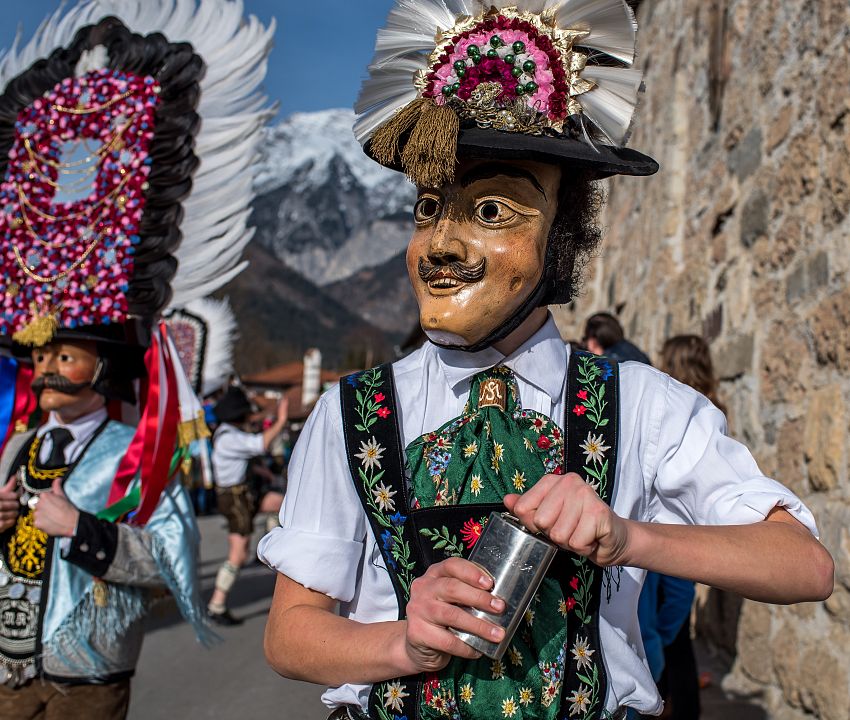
(430, 152)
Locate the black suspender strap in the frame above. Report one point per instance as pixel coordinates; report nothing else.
(591, 427)
(376, 460)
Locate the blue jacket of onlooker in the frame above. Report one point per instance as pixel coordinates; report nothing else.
(664, 606)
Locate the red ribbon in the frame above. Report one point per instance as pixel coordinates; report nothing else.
(149, 453)
(25, 400)
(156, 461)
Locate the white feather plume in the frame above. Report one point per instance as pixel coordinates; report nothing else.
(403, 48)
(612, 25)
(235, 51)
(222, 334)
(611, 104)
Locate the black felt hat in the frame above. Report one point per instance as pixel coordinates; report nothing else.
(233, 406)
(504, 79)
(598, 160)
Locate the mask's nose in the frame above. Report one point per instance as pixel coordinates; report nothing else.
(446, 245)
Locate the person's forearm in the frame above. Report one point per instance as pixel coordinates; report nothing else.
(272, 431)
(315, 645)
(774, 562)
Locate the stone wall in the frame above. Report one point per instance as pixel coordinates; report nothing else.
(744, 236)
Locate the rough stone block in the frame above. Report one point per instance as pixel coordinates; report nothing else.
(818, 272)
(780, 127)
(825, 437)
(754, 218)
(734, 357)
(753, 633)
(790, 456)
(745, 158)
(830, 327)
(823, 682)
(796, 285)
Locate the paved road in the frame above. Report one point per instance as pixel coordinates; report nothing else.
(177, 678)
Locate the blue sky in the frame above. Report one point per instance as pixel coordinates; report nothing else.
(334, 38)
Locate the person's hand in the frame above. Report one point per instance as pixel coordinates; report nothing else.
(571, 514)
(10, 504)
(437, 599)
(283, 410)
(55, 514)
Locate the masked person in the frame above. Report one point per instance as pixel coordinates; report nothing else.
(498, 114)
(97, 164)
(233, 449)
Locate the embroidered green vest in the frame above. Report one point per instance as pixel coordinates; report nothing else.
(433, 504)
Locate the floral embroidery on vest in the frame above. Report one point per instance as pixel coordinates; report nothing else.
(434, 515)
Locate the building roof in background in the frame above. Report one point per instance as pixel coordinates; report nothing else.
(285, 376)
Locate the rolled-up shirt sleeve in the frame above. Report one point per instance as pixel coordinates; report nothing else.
(704, 477)
(320, 541)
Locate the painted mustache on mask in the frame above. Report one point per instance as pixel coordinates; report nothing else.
(59, 383)
(465, 273)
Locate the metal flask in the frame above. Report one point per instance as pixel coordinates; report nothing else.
(517, 561)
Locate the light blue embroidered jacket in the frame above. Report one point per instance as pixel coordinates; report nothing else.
(83, 640)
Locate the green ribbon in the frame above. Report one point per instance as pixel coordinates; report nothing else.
(131, 500)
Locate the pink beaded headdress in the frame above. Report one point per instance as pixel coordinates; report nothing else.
(541, 79)
(127, 134)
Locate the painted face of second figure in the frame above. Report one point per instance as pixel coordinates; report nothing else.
(62, 378)
(478, 249)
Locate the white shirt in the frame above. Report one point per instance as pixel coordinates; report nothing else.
(675, 465)
(82, 430)
(232, 450)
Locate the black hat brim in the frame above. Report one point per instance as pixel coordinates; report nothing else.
(131, 334)
(598, 161)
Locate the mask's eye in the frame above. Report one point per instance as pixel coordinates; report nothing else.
(64, 357)
(427, 208)
(492, 212)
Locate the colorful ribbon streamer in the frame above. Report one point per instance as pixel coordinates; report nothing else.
(152, 447)
(8, 378)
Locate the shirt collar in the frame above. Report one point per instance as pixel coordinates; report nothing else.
(541, 361)
(82, 428)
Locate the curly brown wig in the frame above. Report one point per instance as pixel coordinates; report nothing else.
(574, 236)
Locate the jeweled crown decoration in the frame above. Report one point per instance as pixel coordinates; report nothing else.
(71, 203)
(555, 68)
(524, 67)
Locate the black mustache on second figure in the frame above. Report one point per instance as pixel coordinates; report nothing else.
(59, 383)
(465, 273)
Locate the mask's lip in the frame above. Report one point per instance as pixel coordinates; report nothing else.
(448, 285)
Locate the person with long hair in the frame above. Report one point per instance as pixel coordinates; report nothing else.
(687, 358)
(665, 602)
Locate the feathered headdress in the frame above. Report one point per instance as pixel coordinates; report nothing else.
(128, 135)
(536, 79)
(204, 332)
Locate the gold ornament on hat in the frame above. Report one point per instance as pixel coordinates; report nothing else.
(401, 108)
(40, 329)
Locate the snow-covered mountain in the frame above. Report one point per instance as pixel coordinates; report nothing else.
(323, 207)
